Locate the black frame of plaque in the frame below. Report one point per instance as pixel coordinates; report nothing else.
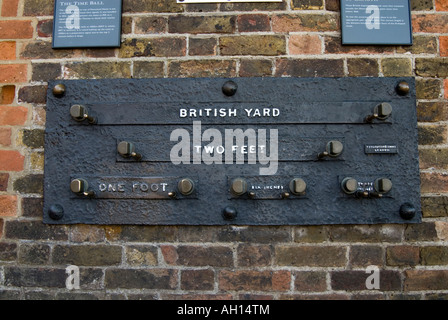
(111, 40)
(363, 36)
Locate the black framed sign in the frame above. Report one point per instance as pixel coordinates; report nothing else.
(82, 24)
(376, 22)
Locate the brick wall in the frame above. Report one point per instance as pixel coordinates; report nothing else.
(163, 39)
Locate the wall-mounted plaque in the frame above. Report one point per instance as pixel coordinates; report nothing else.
(214, 1)
(83, 24)
(376, 22)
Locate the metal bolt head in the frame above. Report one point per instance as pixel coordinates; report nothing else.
(79, 186)
(59, 90)
(382, 185)
(407, 211)
(229, 88)
(78, 112)
(185, 186)
(229, 213)
(125, 148)
(383, 110)
(297, 186)
(238, 187)
(334, 148)
(349, 185)
(56, 212)
(403, 88)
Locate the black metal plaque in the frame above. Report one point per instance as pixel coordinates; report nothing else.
(87, 23)
(242, 151)
(376, 22)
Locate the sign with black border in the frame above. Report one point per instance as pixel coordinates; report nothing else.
(87, 24)
(376, 22)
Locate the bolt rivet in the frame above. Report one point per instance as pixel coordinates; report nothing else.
(229, 213)
(403, 88)
(229, 88)
(56, 212)
(407, 211)
(59, 90)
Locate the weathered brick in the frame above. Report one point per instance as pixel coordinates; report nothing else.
(33, 138)
(254, 280)
(153, 47)
(202, 46)
(366, 233)
(258, 234)
(432, 67)
(141, 279)
(432, 111)
(11, 160)
(254, 255)
(16, 29)
(267, 45)
(333, 44)
(445, 88)
(97, 70)
(8, 206)
(202, 68)
(310, 234)
(38, 8)
(397, 67)
(421, 44)
(30, 253)
(442, 230)
(45, 28)
(5, 137)
(32, 183)
(430, 23)
(87, 255)
(87, 233)
(150, 25)
(10, 73)
(197, 279)
(46, 71)
(434, 255)
(33, 94)
(362, 67)
(32, 207)
(201, 7)
(267, 6)
(142, 234)
(34, 230)
(366, 255)
(203, 24)
(432, 134)
(310, 281)
(305, 22)
(310, 67)
(7, 50)
(313, 256)
(402, 255)
(424, 231)
(416, 280)
(42, 50)
(148, 69)
(255, 68)
(428, 88)
(433, 158)
(8, 94)
(4, 178)
(19, 276)
(434, 206)
(141, 255)
(443, 40)
(202, 256)
(253, 23)
(305, 44)
(8, 251)
(350, 280)
(422, 5)
(307, 4)
(138, 6)
(433, 182)
(332, 5)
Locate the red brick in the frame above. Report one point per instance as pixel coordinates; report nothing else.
(5, 137)
(305, 44)
(8, 206)
(1, 228)
(305, 22)
(10, 73)
(7, 50)
(253, 23)
(11, 160)
(443, 46)
(16, 29)
(430, 23)
(13, 116)
(9, 8)
(416, 280)
(4, 177)
(441, 5)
